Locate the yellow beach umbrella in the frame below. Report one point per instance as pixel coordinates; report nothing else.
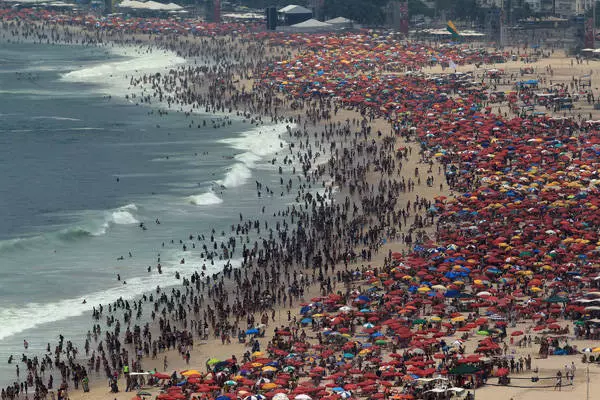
(269, 386)
(191, 372)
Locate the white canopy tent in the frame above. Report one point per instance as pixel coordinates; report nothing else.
(294, 9)
(341, 22)
(149, 5)
(312, 25)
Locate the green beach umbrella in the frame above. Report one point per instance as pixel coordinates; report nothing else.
(213, 361)
(464, 369)
(483, 333)
(380, 342)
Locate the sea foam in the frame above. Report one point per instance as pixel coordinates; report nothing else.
(111, 76)
(256, 145)
(205, 199)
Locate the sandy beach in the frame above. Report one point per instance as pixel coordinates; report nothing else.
(437, 225)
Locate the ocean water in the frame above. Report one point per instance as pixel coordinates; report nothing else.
(80, 171)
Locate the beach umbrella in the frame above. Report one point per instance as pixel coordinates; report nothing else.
(230, 383)
(143, 393)
(190, 373)
(302, 396)
(587, 350)
(252, 331)
(483, 333)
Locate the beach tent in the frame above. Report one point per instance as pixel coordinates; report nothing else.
(294, 9)
(294, 14)
(149, 5)
(341, 22)
(312, 25)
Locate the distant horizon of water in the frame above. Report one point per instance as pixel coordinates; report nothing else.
(80, 171)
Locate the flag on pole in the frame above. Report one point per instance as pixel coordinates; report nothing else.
(452, 29)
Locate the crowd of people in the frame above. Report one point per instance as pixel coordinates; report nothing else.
(479, 220)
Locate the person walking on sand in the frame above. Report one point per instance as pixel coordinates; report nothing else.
(558, 381)
(165, 363)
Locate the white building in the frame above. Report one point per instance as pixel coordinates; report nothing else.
(565, 8)
(490, 3)
(581, 6)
